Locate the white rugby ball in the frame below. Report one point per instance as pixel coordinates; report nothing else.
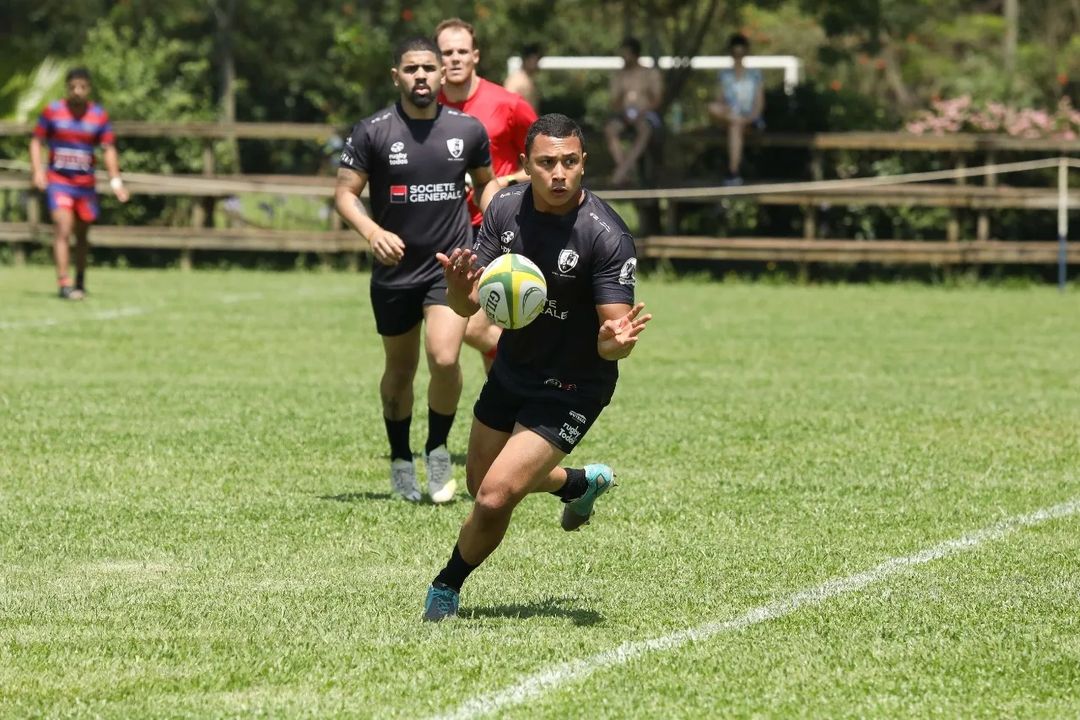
(512, 291)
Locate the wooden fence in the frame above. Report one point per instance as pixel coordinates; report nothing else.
(963, 150)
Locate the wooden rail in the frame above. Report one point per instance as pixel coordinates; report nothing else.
(810, 248)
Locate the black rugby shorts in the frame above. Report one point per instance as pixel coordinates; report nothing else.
(562, 417)
(398, 310)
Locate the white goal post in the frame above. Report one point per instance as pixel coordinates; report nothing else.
(789, 64)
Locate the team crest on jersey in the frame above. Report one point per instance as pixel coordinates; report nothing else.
(628, 273)
(507, 238)
(455, 146)
(567, 260)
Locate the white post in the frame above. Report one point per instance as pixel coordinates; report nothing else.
(1063, 220)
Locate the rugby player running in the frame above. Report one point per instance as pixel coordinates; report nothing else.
(414, 154)
(552, 378)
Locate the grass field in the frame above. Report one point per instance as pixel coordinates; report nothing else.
(195, 519)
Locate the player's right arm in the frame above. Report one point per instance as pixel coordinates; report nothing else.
(463, 268)
(386, 246)
(462, 273)
(37, 168)
(37, 164)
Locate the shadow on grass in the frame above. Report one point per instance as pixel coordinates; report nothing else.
(551, 607)
(385, 497)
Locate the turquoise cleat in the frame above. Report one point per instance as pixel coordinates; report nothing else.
(577, 512)
(441, 603)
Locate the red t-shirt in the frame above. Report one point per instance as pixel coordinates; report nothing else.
(506, 116)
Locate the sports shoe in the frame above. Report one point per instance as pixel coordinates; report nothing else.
(403, 480)
(577, 512)
(441, 486)
(67, 292)
(441, 603)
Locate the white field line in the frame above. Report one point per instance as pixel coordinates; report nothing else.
(126, 312)
(533, 686)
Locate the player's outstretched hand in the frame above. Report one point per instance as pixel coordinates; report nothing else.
(617, 337)
(388, 248)
(460, 270)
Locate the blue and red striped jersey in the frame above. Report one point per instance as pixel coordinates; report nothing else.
(71, 141)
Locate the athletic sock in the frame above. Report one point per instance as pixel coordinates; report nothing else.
(455, 572)
(574, 487)
(397, 432)
(80, 280)
(438, 428)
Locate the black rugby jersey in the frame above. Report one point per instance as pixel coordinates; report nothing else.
(416, 181)
(588, 259)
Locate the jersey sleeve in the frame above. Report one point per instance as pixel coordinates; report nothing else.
(43, 129)
(615, 271)
(480, 156)
(105, 135)
(486, 246)
(356, 155)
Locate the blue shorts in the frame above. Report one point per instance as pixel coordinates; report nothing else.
(83, 202)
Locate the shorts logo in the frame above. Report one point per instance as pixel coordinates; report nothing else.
(398, 193)
(578, 416)
(567, 260)
(508, 237)
(628, 273)
(570, 433)
(397, 147)
(455, 146)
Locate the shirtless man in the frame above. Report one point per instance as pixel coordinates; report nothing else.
(522, 81)
(636, 92)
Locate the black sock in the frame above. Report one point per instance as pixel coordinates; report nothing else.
(397, 431)
(575, 485)
(438, 428)
(455, 572)
(80, 279)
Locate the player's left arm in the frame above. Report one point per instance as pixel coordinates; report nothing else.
(614, 278)
(620, 326)
(485, 184)
(107, 140)
(112, 166)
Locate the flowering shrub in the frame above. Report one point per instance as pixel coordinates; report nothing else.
(963, 115)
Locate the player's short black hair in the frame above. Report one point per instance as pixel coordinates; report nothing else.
(738, 40)
(553, 125)
(416, 42)
(632, 44)
(531, 49)
(77, 72)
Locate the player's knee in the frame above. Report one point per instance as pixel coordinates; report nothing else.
(444, 362)
(397, 380)
(493, 501)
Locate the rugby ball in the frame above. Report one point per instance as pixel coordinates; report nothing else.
(512, 291)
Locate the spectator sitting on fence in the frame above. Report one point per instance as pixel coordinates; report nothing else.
(636, 93)
(523, 80)
(740, 102)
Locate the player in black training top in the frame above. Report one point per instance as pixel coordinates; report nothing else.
(552, 378)
(413, 157)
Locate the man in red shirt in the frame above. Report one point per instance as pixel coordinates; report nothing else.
(71, 128)
(505, 115)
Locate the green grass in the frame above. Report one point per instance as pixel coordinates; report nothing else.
(194, 518)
